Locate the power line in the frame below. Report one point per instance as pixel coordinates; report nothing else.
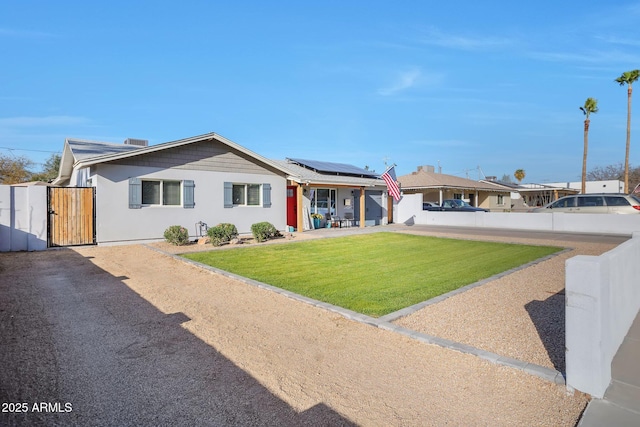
(26, 149)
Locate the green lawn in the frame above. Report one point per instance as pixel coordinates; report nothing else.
(374, 274)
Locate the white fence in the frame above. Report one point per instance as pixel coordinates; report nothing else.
(409, 211)
(602, 300)
(23, 218)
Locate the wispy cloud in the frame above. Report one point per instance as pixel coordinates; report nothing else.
(592, 57)
(436, 37)
(22, 122)
(619, 40)
(403, 81)
(408, 79)
(25, 34)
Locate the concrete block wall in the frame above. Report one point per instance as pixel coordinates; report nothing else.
(23, 218)
(602, 300)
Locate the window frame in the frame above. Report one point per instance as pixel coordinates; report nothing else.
(161, 195)
(331, 201)
(246, 186)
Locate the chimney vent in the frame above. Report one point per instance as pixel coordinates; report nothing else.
(138, 142)
(427, 168)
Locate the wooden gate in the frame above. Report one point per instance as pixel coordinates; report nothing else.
(72, 219)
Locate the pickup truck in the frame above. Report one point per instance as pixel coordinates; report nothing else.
(452, 205)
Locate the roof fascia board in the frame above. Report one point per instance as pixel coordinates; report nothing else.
(455, 187)
(66, 164)
(335, 185)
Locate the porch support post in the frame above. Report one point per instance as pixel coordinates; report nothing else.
(300, 209)
(362, 212)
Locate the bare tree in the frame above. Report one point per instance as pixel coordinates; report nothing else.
(14, 170)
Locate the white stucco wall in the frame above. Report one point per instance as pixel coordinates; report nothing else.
(116, 223)
(602, 300)
(410, 212)
(23, 218)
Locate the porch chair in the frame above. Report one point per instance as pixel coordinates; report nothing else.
(348, 219)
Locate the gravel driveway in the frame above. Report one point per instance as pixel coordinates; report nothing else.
(128, 336)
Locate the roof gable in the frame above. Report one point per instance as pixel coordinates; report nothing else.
(79, 153)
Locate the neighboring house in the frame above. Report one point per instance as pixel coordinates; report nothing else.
(436, 187)
(141, 190)
(536, 195)
(526, 196)
(606, 186)
(338, 191)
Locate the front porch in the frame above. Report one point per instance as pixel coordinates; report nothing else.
(336, 206)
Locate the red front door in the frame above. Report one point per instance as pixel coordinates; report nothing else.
(292, 206)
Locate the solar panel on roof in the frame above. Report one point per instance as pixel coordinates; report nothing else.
(87, 149)
(330, 167)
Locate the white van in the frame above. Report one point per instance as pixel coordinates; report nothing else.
(594, 203)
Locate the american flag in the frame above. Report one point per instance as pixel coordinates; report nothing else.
(390, 178)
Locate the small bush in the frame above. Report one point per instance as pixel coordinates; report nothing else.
(264, 231)
(176, 235)
(222, 233)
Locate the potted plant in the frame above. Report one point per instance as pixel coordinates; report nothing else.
(316, 219)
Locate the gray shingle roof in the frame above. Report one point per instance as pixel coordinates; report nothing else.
(83, 150)
(424, 179)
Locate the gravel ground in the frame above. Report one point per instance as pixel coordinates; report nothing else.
(130, 336)
(520, 315)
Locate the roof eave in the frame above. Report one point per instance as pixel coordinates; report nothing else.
(178, 143)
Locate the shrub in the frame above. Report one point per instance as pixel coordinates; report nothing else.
(222, 233)
(264, 231)
(176, 235)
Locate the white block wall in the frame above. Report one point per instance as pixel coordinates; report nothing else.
(23, 218)
(602, 300)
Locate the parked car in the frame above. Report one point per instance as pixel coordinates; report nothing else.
(427, 205)
(454, 205)
(594, 203)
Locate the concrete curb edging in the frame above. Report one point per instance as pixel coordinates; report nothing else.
(542, 372)
(413, 308)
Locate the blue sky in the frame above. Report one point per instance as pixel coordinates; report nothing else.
(489, 86)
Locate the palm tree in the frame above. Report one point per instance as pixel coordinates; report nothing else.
(590, 106)
(519, 175)
(627, 78)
